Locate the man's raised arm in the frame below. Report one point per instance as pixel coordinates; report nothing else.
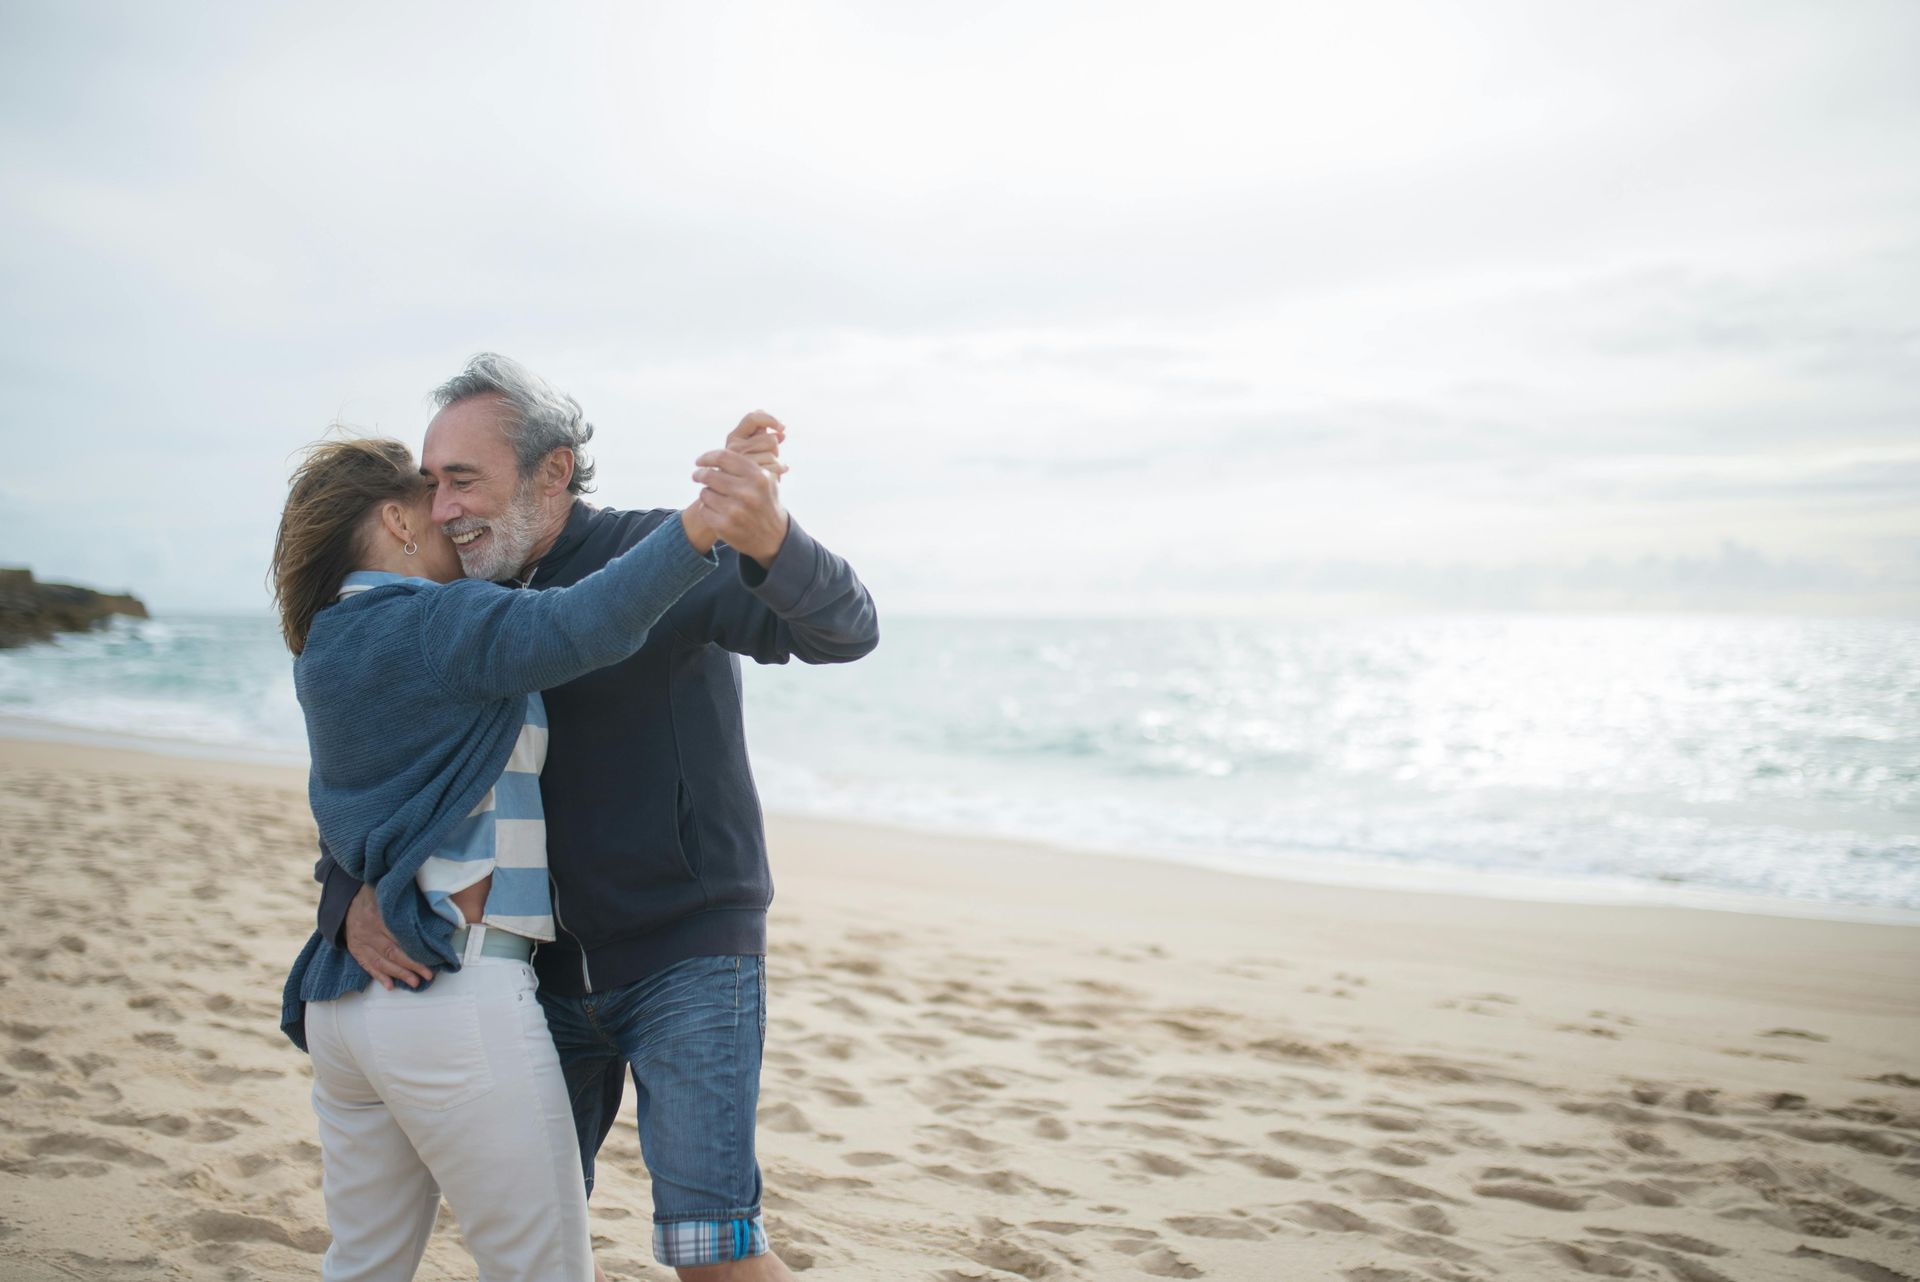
(801, 600)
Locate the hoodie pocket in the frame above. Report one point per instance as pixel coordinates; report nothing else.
(686, 832)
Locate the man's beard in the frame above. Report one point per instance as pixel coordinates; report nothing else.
(509, 540)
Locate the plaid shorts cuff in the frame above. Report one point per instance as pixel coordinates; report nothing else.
(687, 1244)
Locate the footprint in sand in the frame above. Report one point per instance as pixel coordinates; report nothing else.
(1011, 1257)
(1208, 1085)
(1377, 1186)
(1672, 1241)
(1390, 1155)
(157, 1006)
(956, 1137)
(1008, 1182)
(1284, 1048)
(1329, 1216)
(839, 1092)
(171, 1124)
(1381, 1121)
(99, 1147)
(869, 1159)
(843, 1005)
(249, 1165)
(1541, 1195)
(235, 1226)
(1688, 1269)
(1188, 1108)
(1645, 1143)
(1878, 1143)
(1864, 1270)
(1163, 1263)
(786, 1119)
(54, 1169)
(829, 1046)
(1427, 1219)
(1581, 1259)
(1092, 1055)
(814, 1182)
(1144, 1130)
(1159, 1163)
(918, 1045)
(1271, 1167)
(1590, 1030)
(1215, 1226)
(985, 1029)
(1312, 1143)
(226, 1075)
(1151, 1256)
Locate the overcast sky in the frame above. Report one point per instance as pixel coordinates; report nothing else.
(1109, 308)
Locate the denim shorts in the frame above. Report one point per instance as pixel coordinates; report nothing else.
(691, 1037)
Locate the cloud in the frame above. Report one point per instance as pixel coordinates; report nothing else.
(1137, 286)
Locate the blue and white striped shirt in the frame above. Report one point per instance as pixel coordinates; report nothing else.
(504, 836)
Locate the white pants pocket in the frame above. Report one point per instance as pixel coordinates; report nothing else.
(428, 1051)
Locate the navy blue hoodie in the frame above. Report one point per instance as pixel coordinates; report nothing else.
(654, 834)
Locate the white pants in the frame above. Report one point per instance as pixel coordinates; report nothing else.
(455, 1089)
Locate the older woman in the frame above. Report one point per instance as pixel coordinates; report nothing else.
(427, 737)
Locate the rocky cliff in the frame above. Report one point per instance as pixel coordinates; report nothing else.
(31, 611)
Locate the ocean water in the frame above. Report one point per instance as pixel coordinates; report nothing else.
(1649, 758)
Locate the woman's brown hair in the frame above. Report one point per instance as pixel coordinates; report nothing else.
(319, 541)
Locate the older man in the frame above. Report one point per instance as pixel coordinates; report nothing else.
(654, 837)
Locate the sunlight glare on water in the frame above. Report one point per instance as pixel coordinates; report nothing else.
(1770, 756)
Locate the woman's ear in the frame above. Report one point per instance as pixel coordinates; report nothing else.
(397, 521)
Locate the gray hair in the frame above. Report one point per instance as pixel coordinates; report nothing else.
(545, 418)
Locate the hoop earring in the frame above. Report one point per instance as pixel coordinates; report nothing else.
(411, 547)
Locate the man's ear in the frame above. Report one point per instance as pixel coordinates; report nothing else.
(556, 470)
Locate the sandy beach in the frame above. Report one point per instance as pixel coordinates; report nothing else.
(994, 1061)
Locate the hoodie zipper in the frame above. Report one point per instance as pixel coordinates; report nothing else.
(586, 976)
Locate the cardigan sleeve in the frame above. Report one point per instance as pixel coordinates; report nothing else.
(486, 642)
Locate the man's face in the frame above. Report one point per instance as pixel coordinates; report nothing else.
(478, 497)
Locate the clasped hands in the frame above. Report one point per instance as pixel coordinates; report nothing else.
(739, 499)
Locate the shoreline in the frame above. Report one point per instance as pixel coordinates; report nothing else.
(1355, 874)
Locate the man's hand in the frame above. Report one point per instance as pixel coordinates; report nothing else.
(741, 503)
(759, 436)
(376, 950)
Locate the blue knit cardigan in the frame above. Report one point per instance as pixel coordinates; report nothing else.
(414, 692)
